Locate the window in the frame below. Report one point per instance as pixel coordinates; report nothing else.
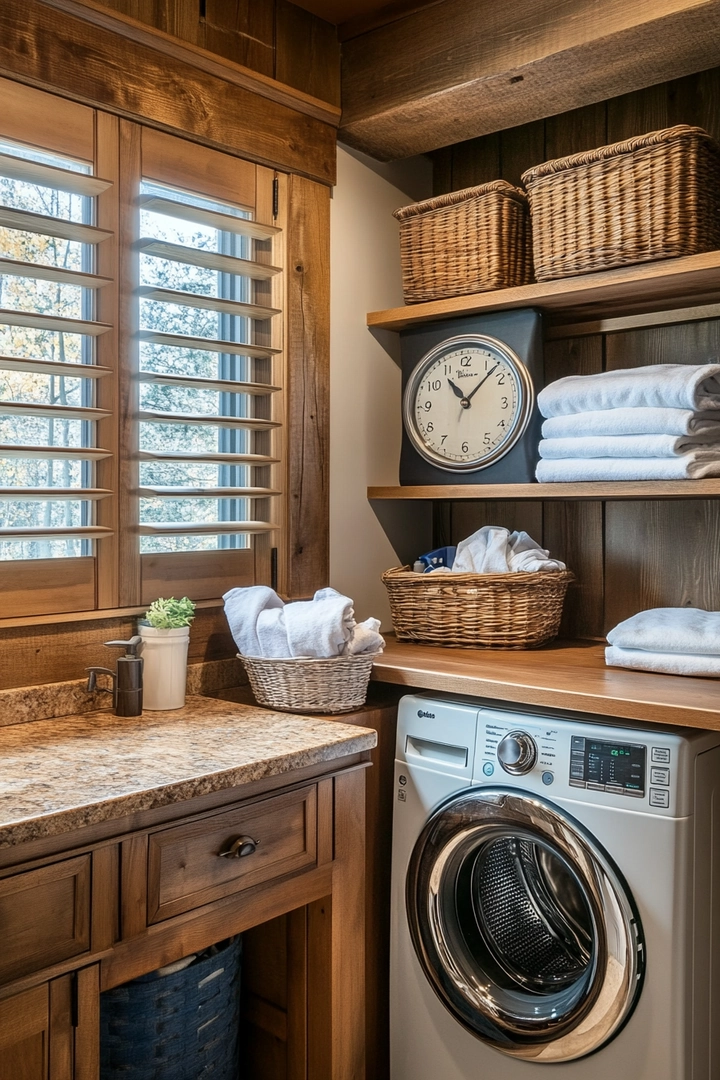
(140, 366)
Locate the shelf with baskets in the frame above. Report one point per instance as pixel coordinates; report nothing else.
(692, 281)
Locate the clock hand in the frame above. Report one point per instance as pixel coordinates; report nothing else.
(455, 389)
(477, 387)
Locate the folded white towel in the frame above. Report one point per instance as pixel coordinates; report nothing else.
(668, 663)
(676, 386)
(693, 466)
(625, 446)
(672, 630)
(242, 609)
(633, 422)
(494, 550)
(262, 625)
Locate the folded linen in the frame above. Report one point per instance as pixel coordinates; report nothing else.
(633, 422)
(692, 466)
(494, 550)
(667, 663)
(677, 386)
(625, 446)
(670, 630)
(262, 625)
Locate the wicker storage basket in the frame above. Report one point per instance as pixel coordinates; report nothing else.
(653, 197)
(476, 611)
(336, 685)
(465, 242)
(176, 1026)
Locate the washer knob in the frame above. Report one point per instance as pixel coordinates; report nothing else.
(517, 753)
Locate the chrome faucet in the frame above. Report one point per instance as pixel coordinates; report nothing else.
(126, 681)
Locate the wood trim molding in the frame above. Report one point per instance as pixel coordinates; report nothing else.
(144, 75)
(462, 68)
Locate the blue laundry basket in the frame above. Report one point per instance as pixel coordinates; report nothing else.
(179, 1026)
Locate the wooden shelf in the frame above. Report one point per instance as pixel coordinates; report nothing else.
(629, 290)
(570, 676)
(626, 489)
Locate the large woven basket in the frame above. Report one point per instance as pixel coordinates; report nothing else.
(476, 611)
(335, 685)
(653, 197)
(465, 242)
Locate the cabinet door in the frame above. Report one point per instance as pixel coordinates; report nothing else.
(52, 1031)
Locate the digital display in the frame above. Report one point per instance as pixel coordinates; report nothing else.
(607, 766)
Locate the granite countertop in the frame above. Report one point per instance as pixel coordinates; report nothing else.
(61, 774)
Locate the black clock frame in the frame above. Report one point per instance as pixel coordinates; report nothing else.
(521, 331)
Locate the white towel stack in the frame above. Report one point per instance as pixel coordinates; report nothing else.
(675, 641)
(660, 422)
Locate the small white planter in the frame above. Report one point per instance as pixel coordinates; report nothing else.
(164, 653)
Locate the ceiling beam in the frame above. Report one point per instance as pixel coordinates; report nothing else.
(463, 68)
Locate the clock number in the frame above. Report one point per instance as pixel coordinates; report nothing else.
(447, 370)
(429, 427)
(427, 406)
(464, 448)
(503, 403)
(435, 385)
(501, 378)
(442, 439)
(501, 424)
(486, 438)
(465, 361)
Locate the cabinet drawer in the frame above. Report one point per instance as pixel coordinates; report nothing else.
(44, 916)
(186, 868)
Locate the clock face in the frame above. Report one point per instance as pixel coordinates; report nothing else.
(467, 402)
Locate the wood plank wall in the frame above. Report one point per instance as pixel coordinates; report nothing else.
(272, 37)
(627, 555)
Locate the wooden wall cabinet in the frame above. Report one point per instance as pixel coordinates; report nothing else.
(88, 912)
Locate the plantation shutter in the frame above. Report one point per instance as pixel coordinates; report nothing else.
(208, 365)
(57, 450)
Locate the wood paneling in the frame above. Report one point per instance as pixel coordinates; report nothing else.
(308, 390)
(48, 585)
(306, 52)
(205, 574)
(469, 68)
(142, 79)
(24, 1036)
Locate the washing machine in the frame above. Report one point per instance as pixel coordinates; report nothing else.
(555, 897)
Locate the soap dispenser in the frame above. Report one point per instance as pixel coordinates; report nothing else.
(127, 680)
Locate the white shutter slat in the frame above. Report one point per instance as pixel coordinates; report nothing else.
(40, 272)
(213, 218)
(233, 348)
(209, 260)
(249, 423)
(51, 412)
(208, 303)
(206, 528)
(53, 367)
(210, 457)
(53, 494)
(34, 172)
(209, 492)
(60, 453)
(60, 532)
(228, 386)
(11, 317)
(27, 221)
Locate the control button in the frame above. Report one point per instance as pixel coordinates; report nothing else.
(658, 797)
(660, 776)
(577, 783)
(592, 786)
(517, 753)
(547, 778)
(634, 794)
(488, 768)
(660, 755)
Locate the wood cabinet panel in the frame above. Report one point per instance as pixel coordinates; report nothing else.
(45, 917)
(24, 1030)
(186, 870)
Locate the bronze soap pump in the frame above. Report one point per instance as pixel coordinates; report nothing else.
(126, 690)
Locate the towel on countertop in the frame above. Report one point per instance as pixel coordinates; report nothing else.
(262, 625)
(633, 422)
(693, 466)
(676, 386)
(494, 550)
(667, 663)
(626, 446)
(670, 630)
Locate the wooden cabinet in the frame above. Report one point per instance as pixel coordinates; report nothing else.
(79, 921)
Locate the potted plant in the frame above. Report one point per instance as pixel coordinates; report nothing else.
(165, 633)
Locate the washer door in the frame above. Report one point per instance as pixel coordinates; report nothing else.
(523, 925)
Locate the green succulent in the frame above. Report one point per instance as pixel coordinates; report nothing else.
(170, 614)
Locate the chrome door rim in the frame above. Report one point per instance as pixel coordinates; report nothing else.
(576, 1021)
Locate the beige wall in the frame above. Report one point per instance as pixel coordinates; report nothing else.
(364, 374)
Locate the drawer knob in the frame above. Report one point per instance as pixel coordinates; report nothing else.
(244, 845)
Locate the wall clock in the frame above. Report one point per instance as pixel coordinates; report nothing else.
(469, 389)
